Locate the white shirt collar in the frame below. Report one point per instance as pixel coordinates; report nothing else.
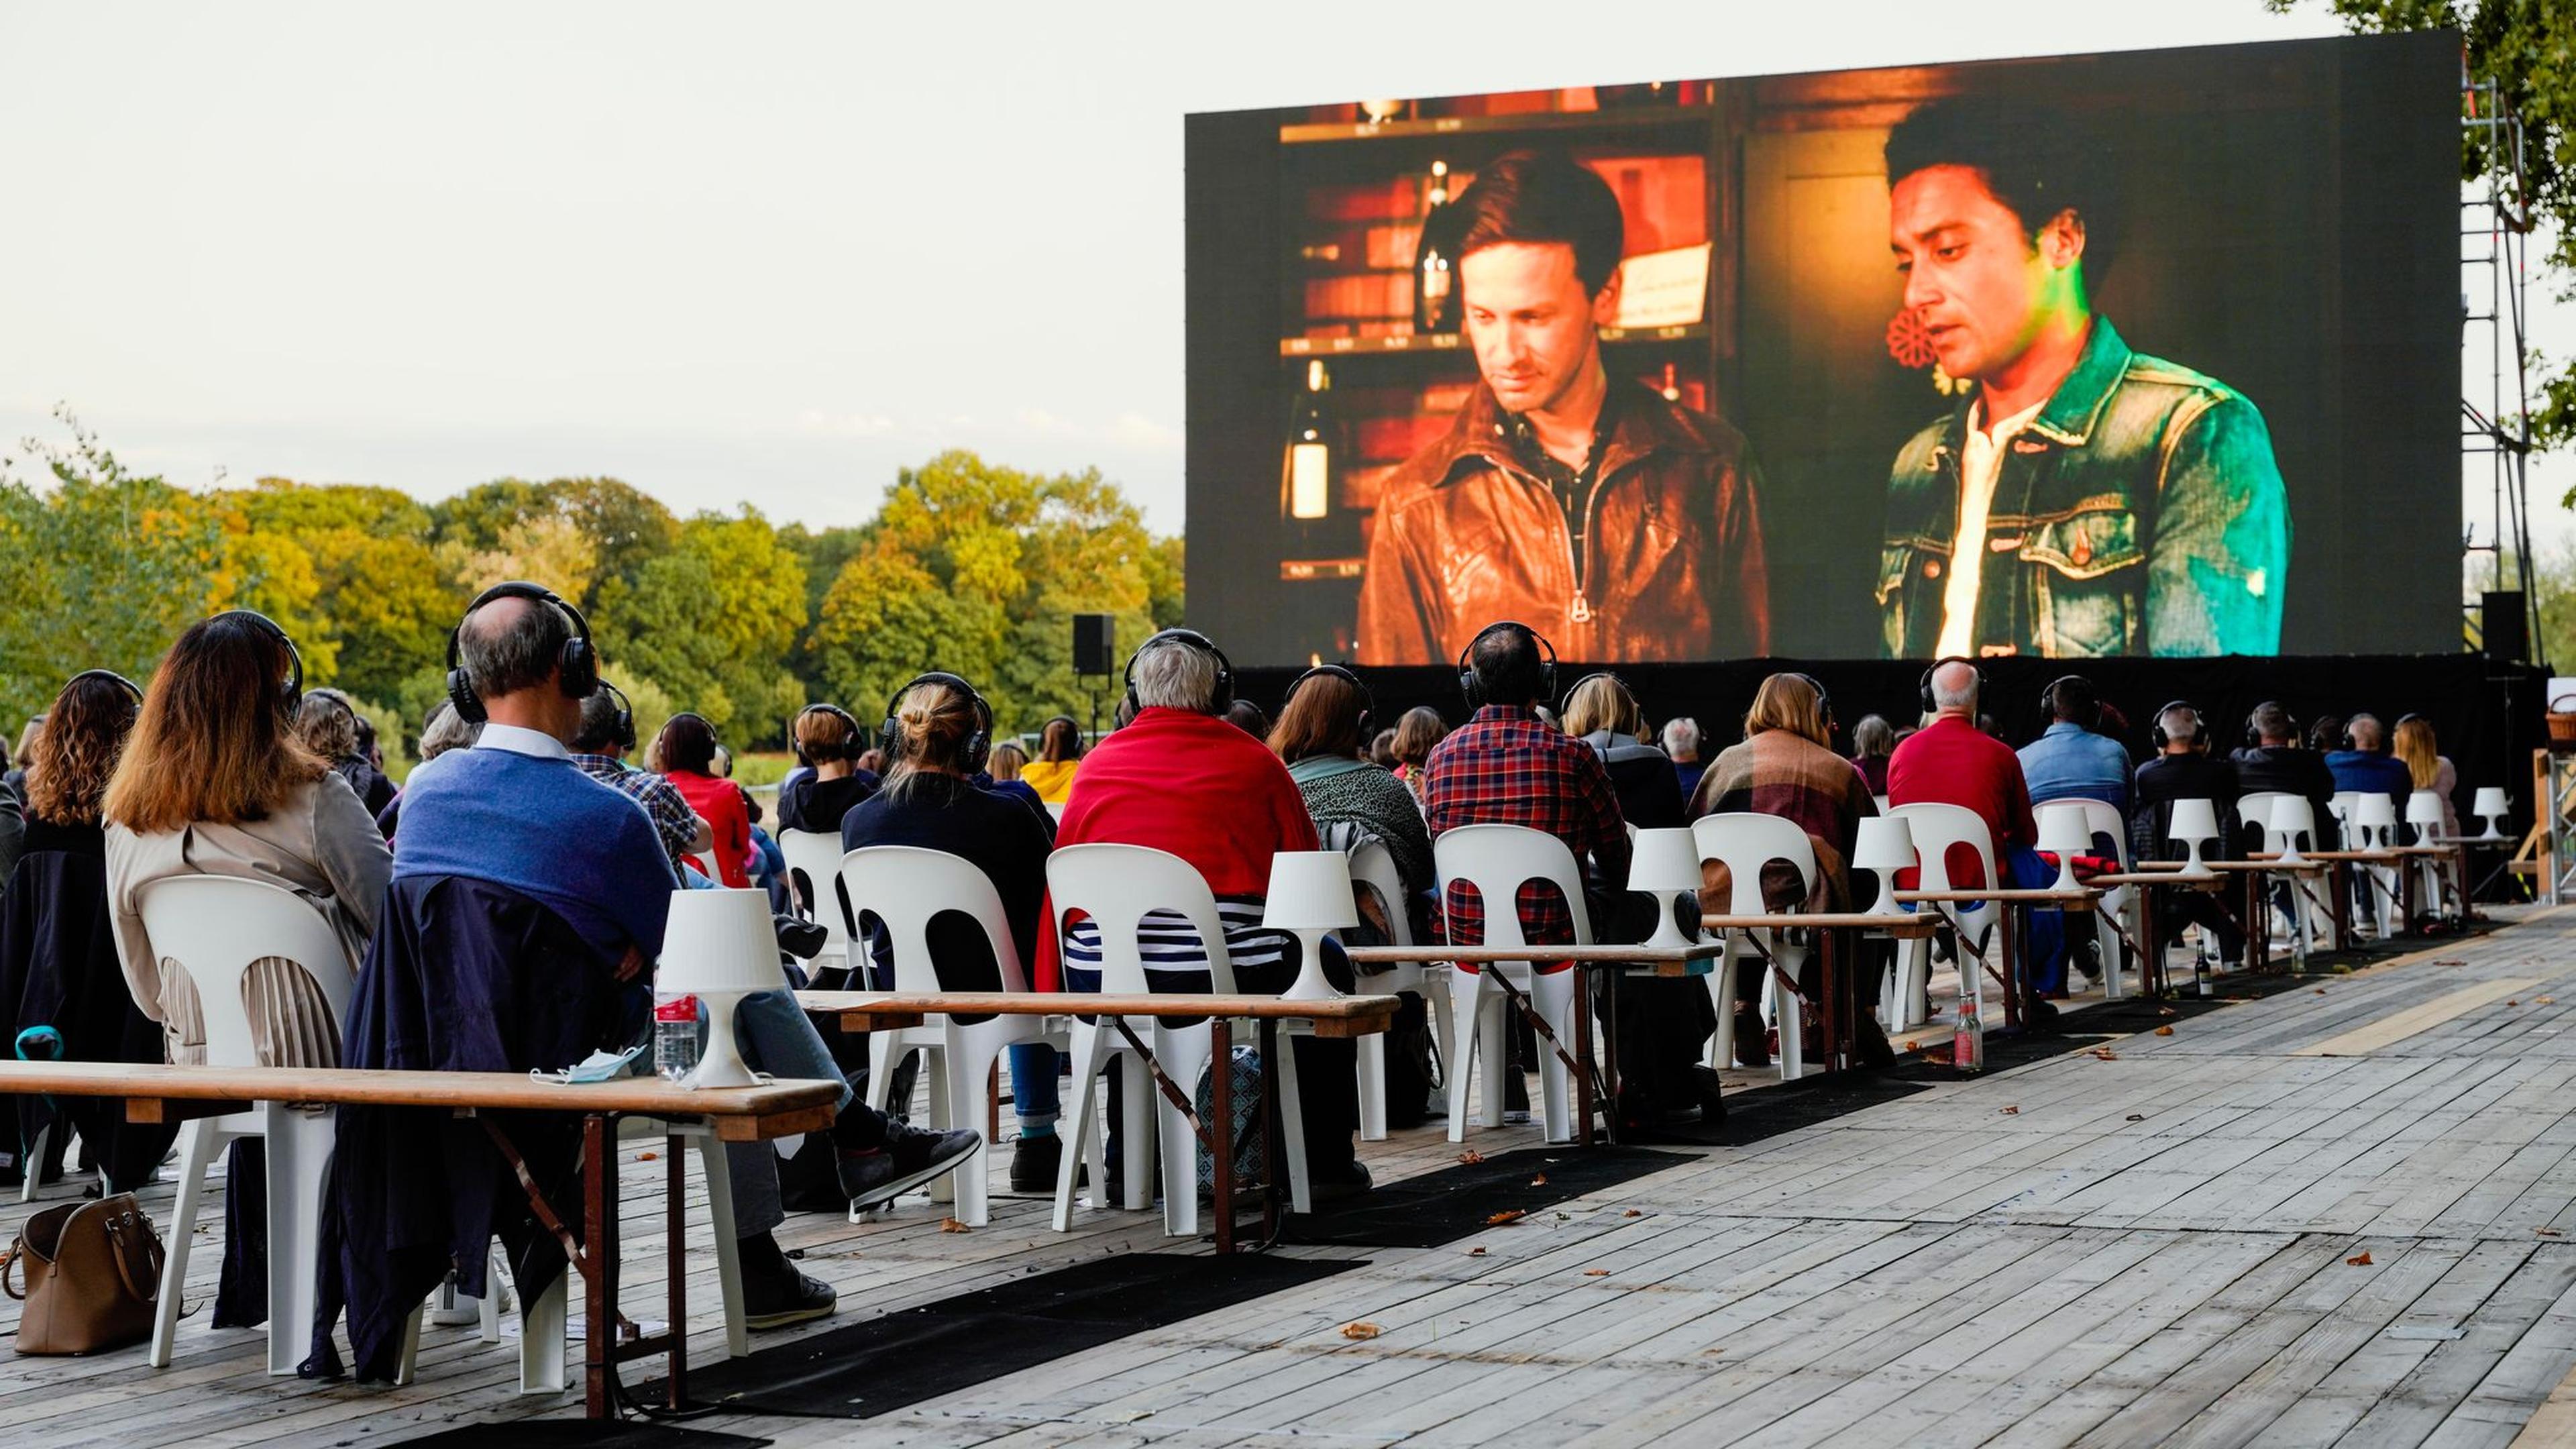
(533, 743)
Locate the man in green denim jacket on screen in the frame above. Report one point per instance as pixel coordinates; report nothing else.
(2083, 499)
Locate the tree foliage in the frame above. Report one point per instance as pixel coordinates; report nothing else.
(2528, 49)
(969, 567)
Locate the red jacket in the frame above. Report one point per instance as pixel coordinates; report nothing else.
(1191, 784)
(1952, 762)
(719, 802)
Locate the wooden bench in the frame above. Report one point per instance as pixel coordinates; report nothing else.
(163, 1093)
(1337, 1016)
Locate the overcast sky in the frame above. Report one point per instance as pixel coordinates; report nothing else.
(730, 253)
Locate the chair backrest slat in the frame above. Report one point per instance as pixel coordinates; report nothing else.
(1497, 860)
(1117, 886)
(904, 887)
(217, 927)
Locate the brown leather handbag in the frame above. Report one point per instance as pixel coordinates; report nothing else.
(92, 1276)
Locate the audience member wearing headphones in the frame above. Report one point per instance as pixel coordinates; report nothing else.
(2365, 765)
(685, 751)
(1180, 778)
(331, 727)
(1787, 767)
(1602, 712)
(1059, 759)
(2273, 760)
(1951, 761)
(58, 942)
(2072, 759)
(599, 747)
(828, 740)
(2186, 769)
(936, 733)
(1506, 766)
(214, 781)
(1682, 739)
(1327, 720)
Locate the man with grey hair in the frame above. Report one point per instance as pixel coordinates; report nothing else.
(1950, 761)
(2364, 764)
(1682, 739)
(1179, 778)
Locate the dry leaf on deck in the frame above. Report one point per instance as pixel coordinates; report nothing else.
(1475, 1252)
(2359, 1260)
(1470, 1157)
(1539, 1181)
(2164, 1031)
(2544, 1001)
(1509, 1215)
(951, 1225)
(1596, 1272)
(2012, 1111)
(2103, 1054)
(2137, 1116)
(1359, 1330)
(1632, 1213)
(648, 1156)
(2547, 1232)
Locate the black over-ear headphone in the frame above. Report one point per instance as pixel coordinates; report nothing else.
(1474, 689)
(130, 686)
(290, 691)
(1368, 701)
(625, 715)
(2254, 736)
(1935, 667)
(2200, 727)
(854, 741)
(579, 662)
(978, 746)
(1195, 640)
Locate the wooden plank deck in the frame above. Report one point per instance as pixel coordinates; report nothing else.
(2153, 1248)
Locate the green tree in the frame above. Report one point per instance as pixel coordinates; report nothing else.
(2528, 48)
(712, 619)
(383, 604)
(978, 569)
(625, 528)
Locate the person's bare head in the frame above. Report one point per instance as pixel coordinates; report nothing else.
(1954, 690)
(2366, 732)
(512, 648)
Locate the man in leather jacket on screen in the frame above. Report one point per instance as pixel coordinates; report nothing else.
(2082, 499)
(1621, 523)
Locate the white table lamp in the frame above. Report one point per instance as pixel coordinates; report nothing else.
(1667, 865)
(2065, 833)
(1310, 897)
(2424, 812)
(2194, 821)
(2374, 814)
(2493, 805)
(1886, 846)
(720, 946)
(2292, 816)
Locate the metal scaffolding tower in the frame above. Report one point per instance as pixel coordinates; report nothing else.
(2495, 231)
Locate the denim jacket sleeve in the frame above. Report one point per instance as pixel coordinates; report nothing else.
(2222, 541)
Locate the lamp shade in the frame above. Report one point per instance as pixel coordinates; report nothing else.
(720, 940)
(2374, 811)
(2063, 830)
(1310, 890)
(2193, 821)
(1667, 860)
(1886, 843)
(2491, 801)
(2424, 809)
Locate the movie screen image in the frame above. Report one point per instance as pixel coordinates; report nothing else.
(2150, 353)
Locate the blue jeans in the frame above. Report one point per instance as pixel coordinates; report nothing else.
(777, 1038)
(2045, 948)
(1033, 1089)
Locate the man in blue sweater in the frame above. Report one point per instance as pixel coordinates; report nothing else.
(516, 811)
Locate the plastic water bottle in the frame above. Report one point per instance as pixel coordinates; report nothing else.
(1968, 1038)
(675, 1035)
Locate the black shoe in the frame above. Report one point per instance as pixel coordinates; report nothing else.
(1706, 1082)
(1034, 1162)
(1348, 1180)
(1752, 1037)
(775, 1294)
(2042, 1014)
(910, 1158)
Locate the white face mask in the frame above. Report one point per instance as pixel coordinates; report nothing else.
(599, 1066)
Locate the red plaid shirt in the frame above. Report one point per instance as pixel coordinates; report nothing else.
(1505, 768)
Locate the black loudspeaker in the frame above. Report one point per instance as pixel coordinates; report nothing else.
(2506, 626)
(1095, 644)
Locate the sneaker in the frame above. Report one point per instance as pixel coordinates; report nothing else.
(775, 1294)
(1034, 1161)
(910, 1158)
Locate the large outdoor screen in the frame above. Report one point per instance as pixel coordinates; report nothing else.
(2145, 353)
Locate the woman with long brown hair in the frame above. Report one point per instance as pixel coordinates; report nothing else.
(2428, 767)
(58, 967)
(215, 781)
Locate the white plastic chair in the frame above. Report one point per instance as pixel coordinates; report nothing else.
(1496, 860)
(2103, 819)
(1117, 886)
(813, 857)
(1939, 828)
(216, 928)
(1373, 870)
(2281, 816)
(1745, 842)
(902, 888)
